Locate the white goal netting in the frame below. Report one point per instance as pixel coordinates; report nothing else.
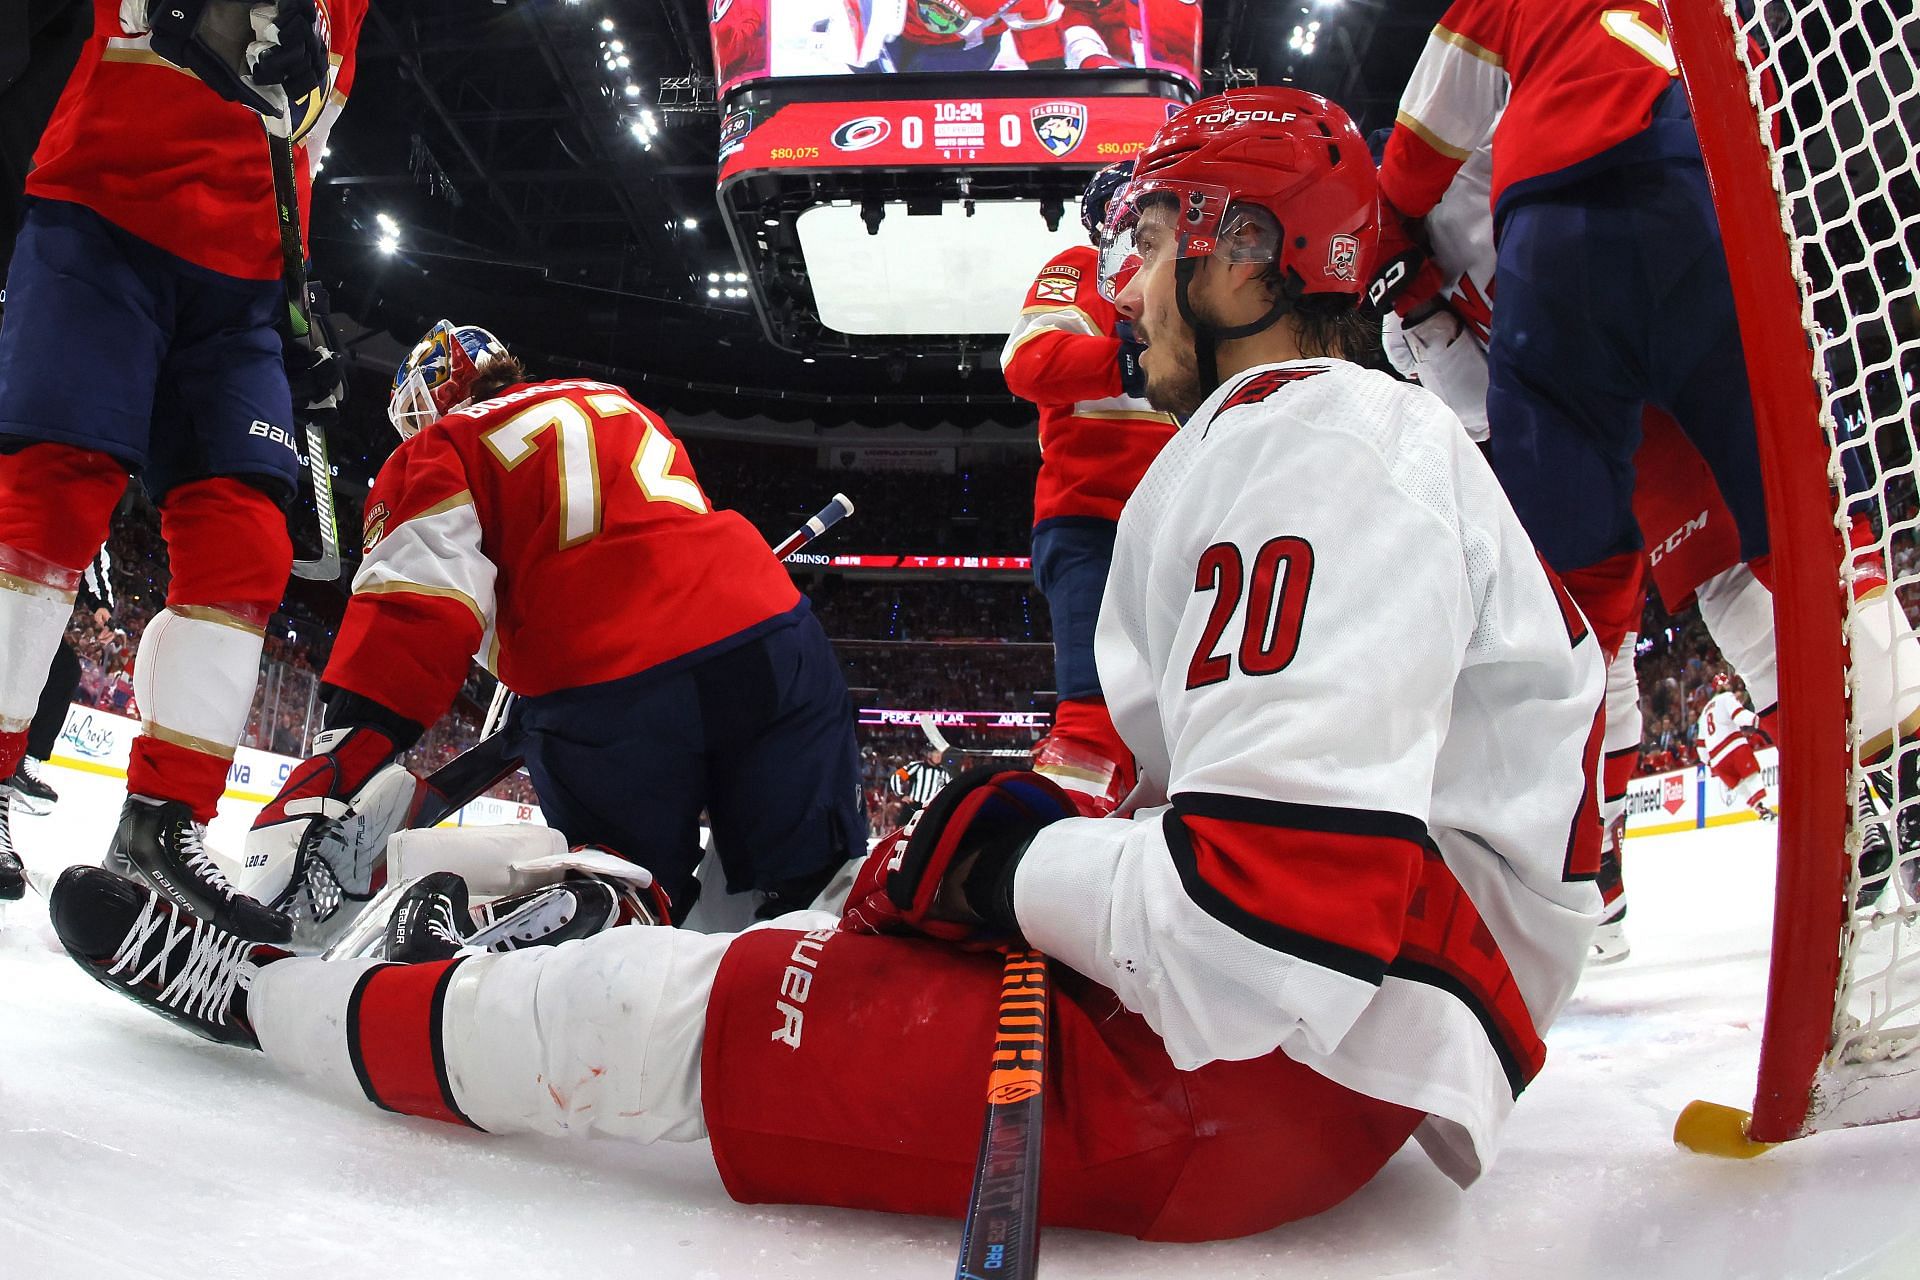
(1838, 88)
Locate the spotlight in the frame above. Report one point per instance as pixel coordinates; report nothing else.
(689, 224)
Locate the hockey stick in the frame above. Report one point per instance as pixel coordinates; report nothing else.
(822, 520)
(293, 274)
(462, 779)
(1000, 1239)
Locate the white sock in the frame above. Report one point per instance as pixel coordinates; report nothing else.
(298, 1008)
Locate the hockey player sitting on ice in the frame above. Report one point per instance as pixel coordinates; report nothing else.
(664, 660)
(1072, 355)
(1724, 741)
(1353, 899)
(151, 234)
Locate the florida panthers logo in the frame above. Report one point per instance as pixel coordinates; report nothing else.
(1058, 126)
(1343, 255)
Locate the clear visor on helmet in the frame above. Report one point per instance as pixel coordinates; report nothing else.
(1151, 219)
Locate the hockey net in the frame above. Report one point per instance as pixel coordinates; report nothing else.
(1808, 111)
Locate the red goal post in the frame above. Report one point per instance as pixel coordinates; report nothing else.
(1805, 112)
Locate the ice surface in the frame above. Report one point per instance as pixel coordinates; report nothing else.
(128, 1148)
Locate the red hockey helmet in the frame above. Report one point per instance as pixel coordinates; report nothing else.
(1291, 153)
(437, 377)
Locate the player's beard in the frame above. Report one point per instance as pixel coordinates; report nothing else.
(1172, 365)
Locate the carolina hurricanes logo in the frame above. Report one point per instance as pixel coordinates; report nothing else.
(858, 135)
(1343, 253)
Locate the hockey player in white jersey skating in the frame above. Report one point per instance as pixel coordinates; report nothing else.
(1724, 740)
(1348, 898)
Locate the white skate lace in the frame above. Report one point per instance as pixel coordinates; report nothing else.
(203, 985)
(443, 926)
(200, 862)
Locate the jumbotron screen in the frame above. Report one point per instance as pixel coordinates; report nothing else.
(784, 39)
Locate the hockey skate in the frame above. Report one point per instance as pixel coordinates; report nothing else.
(131, 939)
(31, 791)
(1610, 945)
(159, 842)
(434, 922)
(13, 874)
(1875, 859)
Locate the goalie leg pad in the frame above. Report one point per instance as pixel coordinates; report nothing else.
(848, 1069)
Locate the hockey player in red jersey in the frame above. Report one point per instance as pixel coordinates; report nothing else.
(1723, 739)
(665, 661)
(151, 235)
(1353, 900)
(740, 41)
(1071, 355)
(1436, 331)
(1613, 286)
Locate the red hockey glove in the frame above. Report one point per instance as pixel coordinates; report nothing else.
(286, 849)
(1404, 276)
(949, 872)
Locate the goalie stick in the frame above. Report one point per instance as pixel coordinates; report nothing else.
(1000, 1238)
(293, 274)
(463, 778)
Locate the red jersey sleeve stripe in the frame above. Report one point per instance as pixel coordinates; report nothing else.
(1447, 945)
(1329, 886)
(394, 1040)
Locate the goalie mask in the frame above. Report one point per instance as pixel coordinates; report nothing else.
(1268, 175)
(438, 376)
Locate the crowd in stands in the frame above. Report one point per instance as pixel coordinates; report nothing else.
(984, 506)
(931, 609)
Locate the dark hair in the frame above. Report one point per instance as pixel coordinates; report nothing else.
(1329, 324)
(1332, 324)
(501, 372)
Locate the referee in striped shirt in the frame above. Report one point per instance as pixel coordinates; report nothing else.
(919, 781)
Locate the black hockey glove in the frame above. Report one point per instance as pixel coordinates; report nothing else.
(271, 58)
(1133, 379)
(287, 62)
(315, 375)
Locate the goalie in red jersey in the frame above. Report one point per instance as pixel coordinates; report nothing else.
(666, 663)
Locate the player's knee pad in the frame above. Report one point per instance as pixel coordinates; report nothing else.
(56, 504)
(228, 548)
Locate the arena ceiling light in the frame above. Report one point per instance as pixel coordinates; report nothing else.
(388, 239)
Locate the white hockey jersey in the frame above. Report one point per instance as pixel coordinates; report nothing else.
(1363, 713)
(1724, 722)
